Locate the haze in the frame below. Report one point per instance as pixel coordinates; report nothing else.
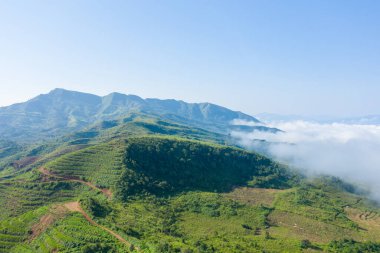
(347, 151)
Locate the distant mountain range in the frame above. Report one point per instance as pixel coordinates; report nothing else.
(62, 111)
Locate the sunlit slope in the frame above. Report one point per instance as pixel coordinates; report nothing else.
(55, 228)
(28, 156)
(30, 191)
(164, 193)
(101, 164)
(61, 111)
(163, 165)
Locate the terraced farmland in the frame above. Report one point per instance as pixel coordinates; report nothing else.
(100, 164)
(17, 197)
(169, 194)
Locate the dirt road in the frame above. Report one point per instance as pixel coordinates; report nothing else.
(75, 207)
(106, 192)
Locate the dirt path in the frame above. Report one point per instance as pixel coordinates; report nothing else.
(75, 207)
(56, 212)
(106, 192)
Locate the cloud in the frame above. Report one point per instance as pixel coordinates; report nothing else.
(237, 122)
(351, 152)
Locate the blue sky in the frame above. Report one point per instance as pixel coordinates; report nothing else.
(317, 57)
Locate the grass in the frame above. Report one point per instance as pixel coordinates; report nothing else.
(254, 196)
(317, 203)
(368, 221)
(290, 225)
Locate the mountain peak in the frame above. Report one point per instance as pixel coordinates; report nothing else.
(115, 94)
(60, 91)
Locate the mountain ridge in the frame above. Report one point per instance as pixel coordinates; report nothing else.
(61, 111)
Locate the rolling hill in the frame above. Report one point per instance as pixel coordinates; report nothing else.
(141, 181)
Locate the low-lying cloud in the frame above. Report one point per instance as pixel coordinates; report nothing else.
(351, 152)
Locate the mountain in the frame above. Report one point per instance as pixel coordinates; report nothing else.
(62, 111)
(126, 174)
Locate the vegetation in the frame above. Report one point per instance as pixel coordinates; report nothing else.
(159, 165)
(142, 184)
(73, 234)
(351, 246)
(101, 164)
(63, 112)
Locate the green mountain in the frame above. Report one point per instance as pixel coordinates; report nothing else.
(61, 111)
(141, 181)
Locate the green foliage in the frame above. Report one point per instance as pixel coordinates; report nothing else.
(305, 244)
(159, 165)
(97, 248)
(351, 246)
(18, 197)
(74, 234)
(101, 164)
(96, 207)
(8, 148)
(317, 202)
(14, 231)
(334, 183)
(210, 204)
(62, 112)
(173, 195)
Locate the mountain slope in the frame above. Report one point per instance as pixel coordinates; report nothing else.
(63, 111)
(142, 181)
(166, 165)
(169, 194)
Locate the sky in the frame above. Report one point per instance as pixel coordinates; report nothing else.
(316, 57)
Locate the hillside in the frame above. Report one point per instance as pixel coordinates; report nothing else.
(17, 158)
(62, 111)
(159, 193)
(144, 182)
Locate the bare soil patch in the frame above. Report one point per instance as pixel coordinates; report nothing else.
(75, 207)
(254, 196)
(55, 213)
(368, 220)
(45, 172)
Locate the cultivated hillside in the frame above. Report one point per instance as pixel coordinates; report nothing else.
(142, 182)
(158, 193)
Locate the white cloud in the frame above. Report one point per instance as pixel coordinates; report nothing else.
(351, 152)
(246, 123)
